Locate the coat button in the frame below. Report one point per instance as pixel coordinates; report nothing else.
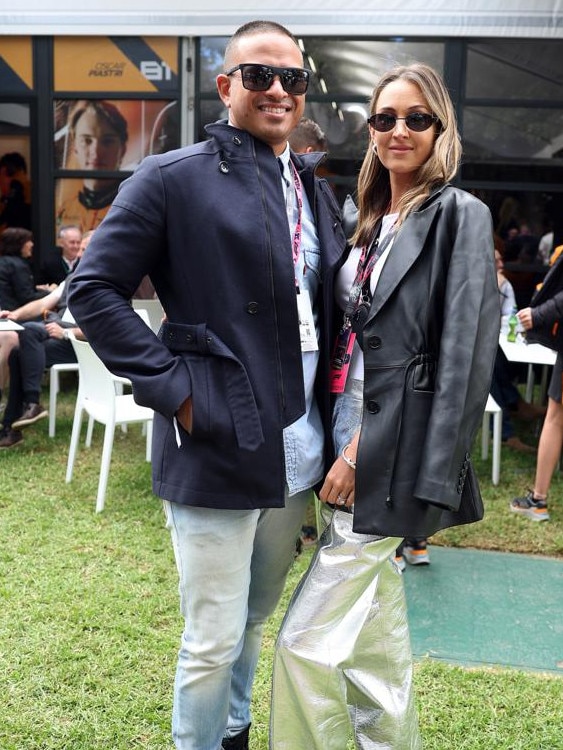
(373, 407)
(224, 167)
(252, 308)
(189, 338)
(374, 342)
(237, 140)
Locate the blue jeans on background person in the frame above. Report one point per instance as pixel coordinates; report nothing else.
(232, 567)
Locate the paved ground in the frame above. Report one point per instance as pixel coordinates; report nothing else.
(487, 608)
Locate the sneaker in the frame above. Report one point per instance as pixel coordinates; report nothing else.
(31, 413)
(399, 561)
(9, 438)
(535, 510)
(415, 552)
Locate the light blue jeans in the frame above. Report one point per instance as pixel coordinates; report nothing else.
(232, 567)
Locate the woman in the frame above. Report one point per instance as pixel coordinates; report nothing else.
(427, 315)
(16, 286)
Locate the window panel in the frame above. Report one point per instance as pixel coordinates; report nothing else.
(513, 133)
(513, 69)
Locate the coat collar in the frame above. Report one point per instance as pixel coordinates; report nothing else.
(406, 248)
(231, 139)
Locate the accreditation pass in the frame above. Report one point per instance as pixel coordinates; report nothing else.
(307, 332)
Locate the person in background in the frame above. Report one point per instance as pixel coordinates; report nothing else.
(503, 388)
(307, 137)
(15, 192)
(542, 323)
(545, 247)
(43, 342)
(411, 371)
(241, 242)
(99, 136)
(17, 285)
(60, 262)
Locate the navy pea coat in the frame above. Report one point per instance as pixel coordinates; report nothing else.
(208, 224)
(429, 344)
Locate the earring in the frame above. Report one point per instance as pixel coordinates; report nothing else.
(374, 147)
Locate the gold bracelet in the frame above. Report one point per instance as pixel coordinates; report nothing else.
(351, 464)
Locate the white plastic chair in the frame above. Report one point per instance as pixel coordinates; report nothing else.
(492, 410)
(54, 387)
(154, 310)
(98, 398)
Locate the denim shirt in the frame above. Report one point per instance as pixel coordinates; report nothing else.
(304, 440)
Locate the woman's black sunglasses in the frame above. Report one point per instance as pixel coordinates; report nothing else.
(417, 121)
(260, 77)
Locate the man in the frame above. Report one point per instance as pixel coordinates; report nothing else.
(60, 263)
(307, 137)
(235, 363)
(42, 343)
(99, 138)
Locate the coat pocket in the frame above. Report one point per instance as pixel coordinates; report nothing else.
(223, 402)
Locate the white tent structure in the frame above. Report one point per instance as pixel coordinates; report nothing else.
(440, 18)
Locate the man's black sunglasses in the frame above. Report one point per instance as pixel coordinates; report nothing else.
(417, 121)
(260, 77)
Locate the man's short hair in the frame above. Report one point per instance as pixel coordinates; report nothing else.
(307, 133)
(255, 27)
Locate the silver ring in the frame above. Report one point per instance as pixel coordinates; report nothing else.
(340, 500)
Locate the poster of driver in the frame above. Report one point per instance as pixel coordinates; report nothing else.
(100, 138)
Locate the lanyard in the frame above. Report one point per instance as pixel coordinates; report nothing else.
(369, 256)
(297, 229)
(356, 312)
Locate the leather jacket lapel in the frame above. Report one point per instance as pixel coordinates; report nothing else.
(407, 246)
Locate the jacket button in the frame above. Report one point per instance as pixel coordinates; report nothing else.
(373, 407)
(189, 338)
(374, 342)
(252, 308)
(224, 167)
(237, 140)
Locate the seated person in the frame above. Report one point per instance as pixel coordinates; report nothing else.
(43, 342)
(17, 286)
(60, 261)
(503, 389)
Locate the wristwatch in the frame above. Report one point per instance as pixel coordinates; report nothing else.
(66, 332)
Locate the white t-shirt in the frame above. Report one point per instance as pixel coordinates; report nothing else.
(345, 279)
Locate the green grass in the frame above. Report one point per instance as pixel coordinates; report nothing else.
(89, 621)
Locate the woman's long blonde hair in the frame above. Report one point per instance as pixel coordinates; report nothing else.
(374, 188)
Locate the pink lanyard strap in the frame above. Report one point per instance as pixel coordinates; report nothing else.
(296, 242)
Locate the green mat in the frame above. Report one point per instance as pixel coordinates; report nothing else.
(473, 607)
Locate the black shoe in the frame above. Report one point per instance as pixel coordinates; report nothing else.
(240, 742)
(9, 438)
(31, 413)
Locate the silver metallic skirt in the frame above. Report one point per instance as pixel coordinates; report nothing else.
(343, 664)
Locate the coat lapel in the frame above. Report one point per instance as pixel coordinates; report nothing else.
(407, 246)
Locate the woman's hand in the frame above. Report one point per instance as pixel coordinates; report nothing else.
(340, 482)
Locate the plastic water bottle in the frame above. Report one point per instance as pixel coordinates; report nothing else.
(512, 326)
